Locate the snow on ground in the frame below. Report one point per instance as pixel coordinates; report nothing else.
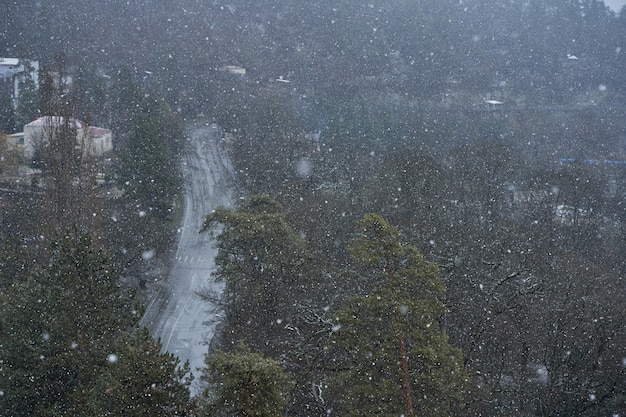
(175, 314)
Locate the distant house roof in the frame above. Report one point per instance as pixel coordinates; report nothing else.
(9, 61)
(8, 67)
(233, 69)
(98, 131)
(54, 121)
(314, 137)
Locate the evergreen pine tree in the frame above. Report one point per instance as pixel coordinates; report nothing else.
(28, 100)
(7, 114)
(390, 352)
(259, 258)
(244, 383)
(57, 327)
(139, 381)
(148, 171)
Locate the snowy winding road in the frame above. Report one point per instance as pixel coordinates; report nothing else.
(183, 321)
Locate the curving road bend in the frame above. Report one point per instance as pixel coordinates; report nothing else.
(175, 314)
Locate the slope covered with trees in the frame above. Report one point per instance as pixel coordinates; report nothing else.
(414, 47)
(490, 133)
(67, 347)
(69, 318)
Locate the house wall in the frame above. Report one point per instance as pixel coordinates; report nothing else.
(33, 137)
(101, 142)
(15, 142)
(94, 141)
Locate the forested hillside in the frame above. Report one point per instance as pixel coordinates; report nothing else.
(418, 47)
(431, 214)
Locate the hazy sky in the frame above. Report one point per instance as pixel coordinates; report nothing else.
(616, 5)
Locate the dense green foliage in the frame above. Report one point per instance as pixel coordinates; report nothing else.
(396, 322)
(148, 170)
(140, 381)
(59, 331)
(58, 326)
(28, 99)
(7, 116)
(246, 384)
(259, 258)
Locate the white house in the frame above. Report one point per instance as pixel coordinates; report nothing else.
(233, 69)
(94, 141)
(15, 143)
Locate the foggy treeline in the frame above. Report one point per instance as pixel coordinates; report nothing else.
(419, 46)
(450, 174)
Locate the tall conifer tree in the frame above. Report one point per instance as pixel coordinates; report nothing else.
(390, 351)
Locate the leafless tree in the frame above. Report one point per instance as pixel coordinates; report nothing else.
(68, 163)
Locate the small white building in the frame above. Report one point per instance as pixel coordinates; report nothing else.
(15, 143)
(233, 69)
(94, 141)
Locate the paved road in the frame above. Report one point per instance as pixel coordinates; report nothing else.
(175, 313)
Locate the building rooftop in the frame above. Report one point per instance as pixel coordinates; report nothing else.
(8, 67)
(9, 61)
(54, 121)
